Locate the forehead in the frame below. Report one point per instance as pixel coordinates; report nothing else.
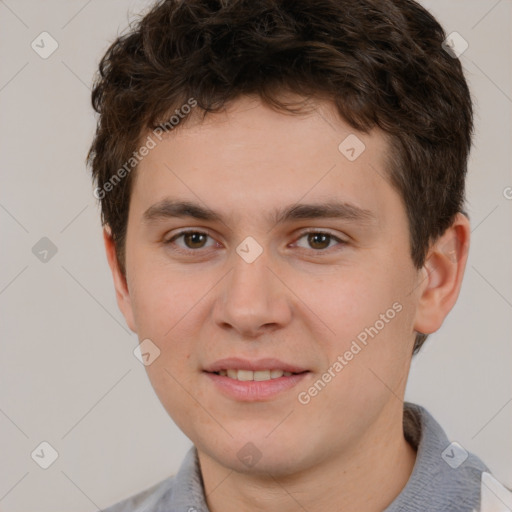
(252, 158)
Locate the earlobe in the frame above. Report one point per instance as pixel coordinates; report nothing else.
(441, 276)
(120, 283)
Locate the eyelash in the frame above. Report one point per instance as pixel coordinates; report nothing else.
(301, 235)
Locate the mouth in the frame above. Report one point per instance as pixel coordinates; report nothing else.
(258, 375)
(260, 380)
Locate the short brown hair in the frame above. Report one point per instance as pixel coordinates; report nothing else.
(381, 62)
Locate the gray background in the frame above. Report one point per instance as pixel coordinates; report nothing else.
(67, 372)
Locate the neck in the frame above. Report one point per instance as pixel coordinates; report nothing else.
(366, 477)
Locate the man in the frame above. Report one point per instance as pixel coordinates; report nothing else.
(282, 190)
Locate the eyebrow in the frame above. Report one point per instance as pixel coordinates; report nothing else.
(169, 208)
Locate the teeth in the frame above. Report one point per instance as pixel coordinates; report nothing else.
(262, 375)
(259, 375)
(245, 375)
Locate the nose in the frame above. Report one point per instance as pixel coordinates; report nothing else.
(252, 300)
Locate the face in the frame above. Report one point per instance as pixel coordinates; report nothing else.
(331, 293)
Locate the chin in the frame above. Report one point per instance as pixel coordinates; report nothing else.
(259, 456)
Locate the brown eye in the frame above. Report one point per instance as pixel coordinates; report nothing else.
(194, 240)
(319, 240)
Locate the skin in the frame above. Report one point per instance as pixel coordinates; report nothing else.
(290, 303)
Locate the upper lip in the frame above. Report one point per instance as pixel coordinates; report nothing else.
(266, 363)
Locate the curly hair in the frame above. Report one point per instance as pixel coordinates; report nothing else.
(381, 62)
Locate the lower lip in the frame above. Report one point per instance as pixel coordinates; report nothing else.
(251, 391)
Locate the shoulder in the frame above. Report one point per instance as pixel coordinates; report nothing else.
(176, 492)
(446, 476)
(146, 500)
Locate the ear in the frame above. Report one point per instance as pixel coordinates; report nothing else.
(442, 276)
(120, 283)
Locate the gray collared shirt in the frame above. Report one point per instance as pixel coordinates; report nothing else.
(445, 477)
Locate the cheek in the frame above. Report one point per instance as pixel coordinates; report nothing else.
(161, 297)
(371, 315)
(347, 302)
(171, 388)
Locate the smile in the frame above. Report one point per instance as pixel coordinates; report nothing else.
(254, 386)
(258, 375)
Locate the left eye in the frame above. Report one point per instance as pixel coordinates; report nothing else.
(320, 239)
